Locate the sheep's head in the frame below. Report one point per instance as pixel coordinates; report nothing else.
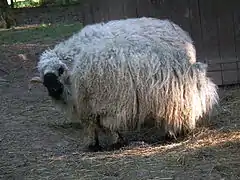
(53, 84)
(54, 75)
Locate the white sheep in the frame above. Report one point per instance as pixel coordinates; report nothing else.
(113, 76)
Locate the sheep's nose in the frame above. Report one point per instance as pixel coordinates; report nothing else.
(54, 86)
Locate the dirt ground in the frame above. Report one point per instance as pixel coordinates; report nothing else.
(37, 142)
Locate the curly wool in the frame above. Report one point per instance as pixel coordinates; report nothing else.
(155, 30)
(127, 70)
(128, 77)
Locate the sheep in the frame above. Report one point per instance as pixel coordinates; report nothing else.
(113, 76)
(62, 56)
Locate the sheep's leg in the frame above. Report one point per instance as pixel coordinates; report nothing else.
(168, 137)
(173, 137)
(103, 123)
(95, 146)
(119, 143)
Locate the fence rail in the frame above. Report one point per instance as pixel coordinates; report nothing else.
(213, 24)
(225, 73)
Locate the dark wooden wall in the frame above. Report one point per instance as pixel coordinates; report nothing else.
(213, 24)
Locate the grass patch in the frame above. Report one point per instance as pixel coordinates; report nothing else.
(27, 3)
(40, 33)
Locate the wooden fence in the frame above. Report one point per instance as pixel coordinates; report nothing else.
(213, 24)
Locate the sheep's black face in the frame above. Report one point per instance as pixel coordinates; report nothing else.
(53, 85)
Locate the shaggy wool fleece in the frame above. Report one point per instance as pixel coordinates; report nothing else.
(155, 30)
(127, 77)
(128, 70)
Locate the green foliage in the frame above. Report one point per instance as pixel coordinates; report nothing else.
(26, 3)
(42, 33)
(36, 3)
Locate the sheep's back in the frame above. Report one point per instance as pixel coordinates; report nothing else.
(154, 30)
(113, 76)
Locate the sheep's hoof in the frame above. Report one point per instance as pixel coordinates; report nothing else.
(170, 138)
(117, 145)
(94, 148)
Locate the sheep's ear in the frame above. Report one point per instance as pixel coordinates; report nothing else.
(67, 80)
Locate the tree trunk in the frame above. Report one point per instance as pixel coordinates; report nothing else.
(5, 14)
(12, 4)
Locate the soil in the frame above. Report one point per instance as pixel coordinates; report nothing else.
(37, 142)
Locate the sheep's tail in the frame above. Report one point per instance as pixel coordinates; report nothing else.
(207, 96)
(191, 97)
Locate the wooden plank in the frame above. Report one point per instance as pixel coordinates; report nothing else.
(87, 15)
(230, 77)
(225, 26)
(196, 28)
(116, 10)
(216, 77)
(175, 10)
(130, 8)
(143, 8)
(101, 10)
(104, 10)
(236, 19)
(179, 13)
(230, 66)
(228, 41)
(210, 50)
(214, 67)
(153, 8)
(96, 13)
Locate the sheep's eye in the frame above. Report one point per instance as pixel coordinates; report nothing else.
(60, 71)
